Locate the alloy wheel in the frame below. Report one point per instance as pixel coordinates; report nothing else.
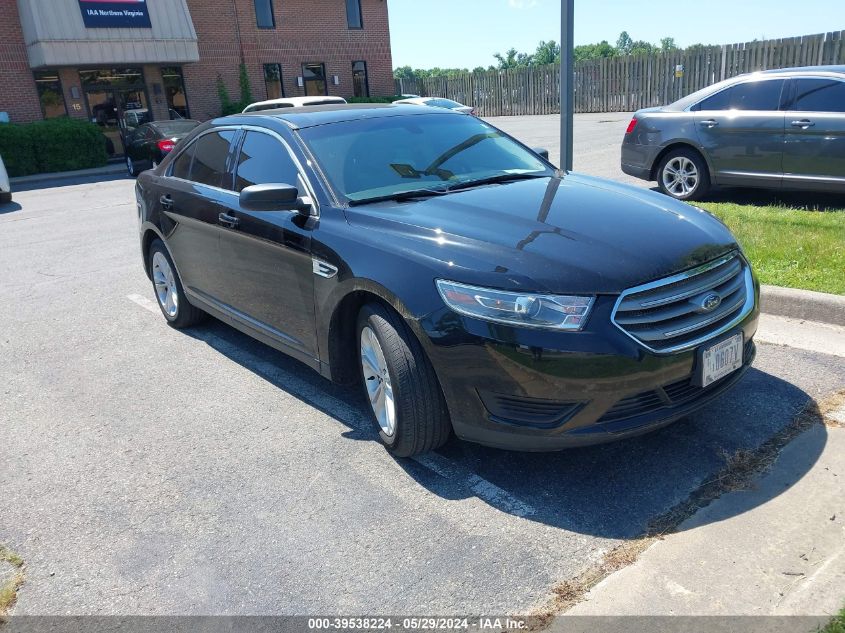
(377, 382)
(680, 176)
(165, 284)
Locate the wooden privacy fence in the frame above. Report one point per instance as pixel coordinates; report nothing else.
(622, 84)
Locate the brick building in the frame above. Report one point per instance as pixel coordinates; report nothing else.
(118, 62)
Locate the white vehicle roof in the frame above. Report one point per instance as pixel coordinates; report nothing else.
(415, 100)
(292, 102)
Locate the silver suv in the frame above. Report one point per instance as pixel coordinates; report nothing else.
(773, 129)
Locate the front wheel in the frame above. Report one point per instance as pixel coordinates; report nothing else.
(400, 384)
(683, 175)
(169, 291)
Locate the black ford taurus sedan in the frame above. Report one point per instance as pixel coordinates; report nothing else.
(459, 278)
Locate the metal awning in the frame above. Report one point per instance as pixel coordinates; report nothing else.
(55, 35)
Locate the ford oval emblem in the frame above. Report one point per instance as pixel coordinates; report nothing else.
(710, 302)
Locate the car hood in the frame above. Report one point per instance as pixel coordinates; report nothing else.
(571, 234)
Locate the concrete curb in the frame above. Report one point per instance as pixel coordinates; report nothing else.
(803, 304)
(108, 170)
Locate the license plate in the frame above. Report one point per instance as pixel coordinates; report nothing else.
(721, 359)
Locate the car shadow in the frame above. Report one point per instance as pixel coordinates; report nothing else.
(805, 200)
(10, 207)
(801, 200)
(612, 490)
(63, 181)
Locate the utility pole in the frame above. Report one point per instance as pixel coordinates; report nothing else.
(567, 81)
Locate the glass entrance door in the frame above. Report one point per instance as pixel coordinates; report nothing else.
(117, 102)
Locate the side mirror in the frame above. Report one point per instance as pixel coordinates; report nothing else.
(541, 151)
(275, 197)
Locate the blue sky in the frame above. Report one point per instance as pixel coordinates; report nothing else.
(466, 33)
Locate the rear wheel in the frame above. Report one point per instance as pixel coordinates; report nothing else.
(683, 175)
(168, 289)
(5, 197)
(131, 168)
(400, 384)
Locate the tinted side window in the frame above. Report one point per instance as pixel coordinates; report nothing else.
(752, 95)
(263, 159)
(210, 153)
(182, 165)
(820, 95)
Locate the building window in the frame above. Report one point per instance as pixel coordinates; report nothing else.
(360, 83)
(314, 76)
(273, 81)
(264, 14)
(50, 94)
(353, 14)
(174, 88)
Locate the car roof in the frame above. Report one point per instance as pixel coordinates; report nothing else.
(806, 69)
(323, 115)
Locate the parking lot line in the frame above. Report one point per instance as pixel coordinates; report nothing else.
(482, 488)
(144, 303)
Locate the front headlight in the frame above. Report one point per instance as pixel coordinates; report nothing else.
(551, 312)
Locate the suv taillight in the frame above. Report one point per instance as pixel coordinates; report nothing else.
(166, 145)
(631, 126)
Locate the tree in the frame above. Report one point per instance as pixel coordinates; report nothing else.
(624, 44)
(641, 47)
(547, 53)
(593, 51)
(667, 44)
(513, 59)
(404, 72)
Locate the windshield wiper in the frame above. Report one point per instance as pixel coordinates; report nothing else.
(494, 179)
(402, 195)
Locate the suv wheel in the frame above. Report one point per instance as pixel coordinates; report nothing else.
(400, 384)
(168, 289)
(683, 175)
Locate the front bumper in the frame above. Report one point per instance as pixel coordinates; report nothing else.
(542, 391)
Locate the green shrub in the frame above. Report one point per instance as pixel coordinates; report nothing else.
(390, 99)
(53, 145)
(227, 106)
(17, 150)
(68, 144)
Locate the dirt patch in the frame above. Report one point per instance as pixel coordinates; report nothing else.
(738, 473)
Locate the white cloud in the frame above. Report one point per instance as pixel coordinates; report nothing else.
(522, 4)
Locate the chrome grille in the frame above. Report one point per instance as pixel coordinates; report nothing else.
(677, 313)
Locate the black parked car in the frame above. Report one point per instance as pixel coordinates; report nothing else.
(149, 143)
(459, 278)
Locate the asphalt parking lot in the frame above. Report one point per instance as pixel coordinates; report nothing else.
(147, 470)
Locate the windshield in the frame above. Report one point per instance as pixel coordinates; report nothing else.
(375, 158)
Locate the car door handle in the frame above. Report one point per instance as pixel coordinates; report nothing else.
(228, 221)
(166, 202)
(803, 124)
(709, 123)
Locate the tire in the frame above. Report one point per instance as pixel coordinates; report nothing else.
(680, 160)
(5, 197)
(420, 418)
(131, 168)
(167, 287)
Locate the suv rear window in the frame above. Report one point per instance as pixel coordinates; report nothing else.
(751, 95)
